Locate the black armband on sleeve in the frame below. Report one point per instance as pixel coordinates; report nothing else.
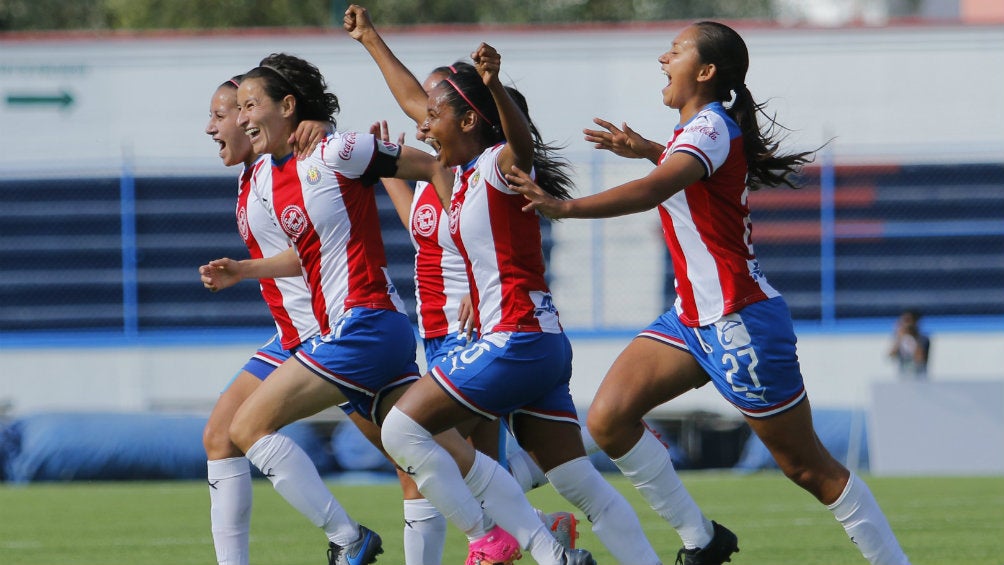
(383, 164)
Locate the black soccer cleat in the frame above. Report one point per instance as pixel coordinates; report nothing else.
(722, 545)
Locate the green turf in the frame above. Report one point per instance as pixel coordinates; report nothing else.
(938, 520)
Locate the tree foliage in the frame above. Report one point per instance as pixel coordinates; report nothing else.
(21, 15)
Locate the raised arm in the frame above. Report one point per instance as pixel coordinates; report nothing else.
(518, 150)
(407, 89)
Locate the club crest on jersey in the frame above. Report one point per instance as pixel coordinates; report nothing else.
(475, 178)
(424, 222)
(313, 175)
(242, 222)
(294, 221)
(348, 144)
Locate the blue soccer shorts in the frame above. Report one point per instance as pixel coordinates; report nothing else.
(511, 372)
(749, 355)
(367, 353)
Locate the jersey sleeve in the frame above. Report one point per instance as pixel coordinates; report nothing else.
(707, 139)
(493, 175)
(361, 156)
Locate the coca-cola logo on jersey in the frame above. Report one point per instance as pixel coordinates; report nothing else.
(242, 222)
(294, 221)
(348, 144)
(706, 130)
(424, 221)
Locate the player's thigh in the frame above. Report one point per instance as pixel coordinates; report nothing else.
(646, 374)
(290, 393)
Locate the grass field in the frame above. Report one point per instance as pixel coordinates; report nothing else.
(937, 520)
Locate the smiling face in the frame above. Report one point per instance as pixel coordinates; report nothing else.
(430, 83)
(441, 128)
(268, 123)
(684, 70)
(235, 147)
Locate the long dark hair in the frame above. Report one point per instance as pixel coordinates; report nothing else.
(467, 91)
(287, 74)
(720, 45)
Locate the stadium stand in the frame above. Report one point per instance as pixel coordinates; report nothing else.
(929, 237)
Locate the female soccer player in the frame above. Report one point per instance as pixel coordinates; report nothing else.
(288, 300)
(445, 318)
(520, 365)
(366, 348)
(729, 325)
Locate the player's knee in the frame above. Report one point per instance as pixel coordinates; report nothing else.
(243, 433)
(216, 441)
(603, 422)
(403, 439)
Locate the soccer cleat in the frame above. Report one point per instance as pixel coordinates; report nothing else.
(578, 557)
(562, 526)
(363, 551)
(497, 546)
(722, 545)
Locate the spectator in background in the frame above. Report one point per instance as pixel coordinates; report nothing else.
(910, 347)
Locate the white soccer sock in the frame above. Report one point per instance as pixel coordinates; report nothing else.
(424, 533)
(435, 472)
(503, 500)
(648, 466)
(613, 519)
(295, 478)
(525, 470)
(230, 508)
(862, 519)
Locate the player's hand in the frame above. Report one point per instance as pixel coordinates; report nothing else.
(357, 22)
(382, 132)
(540, 200)
(465, 315)
(220, 274)
(487, 61)
(307, 135)
(623, 141)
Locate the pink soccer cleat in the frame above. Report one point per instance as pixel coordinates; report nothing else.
(497, 546)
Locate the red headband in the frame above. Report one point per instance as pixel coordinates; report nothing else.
(468, 100)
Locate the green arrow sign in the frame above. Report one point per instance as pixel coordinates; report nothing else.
(62, 99)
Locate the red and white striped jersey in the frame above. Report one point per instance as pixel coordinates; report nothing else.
(329, 213)
(288, 299)
(501, 245)
(707, 225)
(440, 274)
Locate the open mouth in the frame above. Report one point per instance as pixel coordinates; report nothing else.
(433, 143)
